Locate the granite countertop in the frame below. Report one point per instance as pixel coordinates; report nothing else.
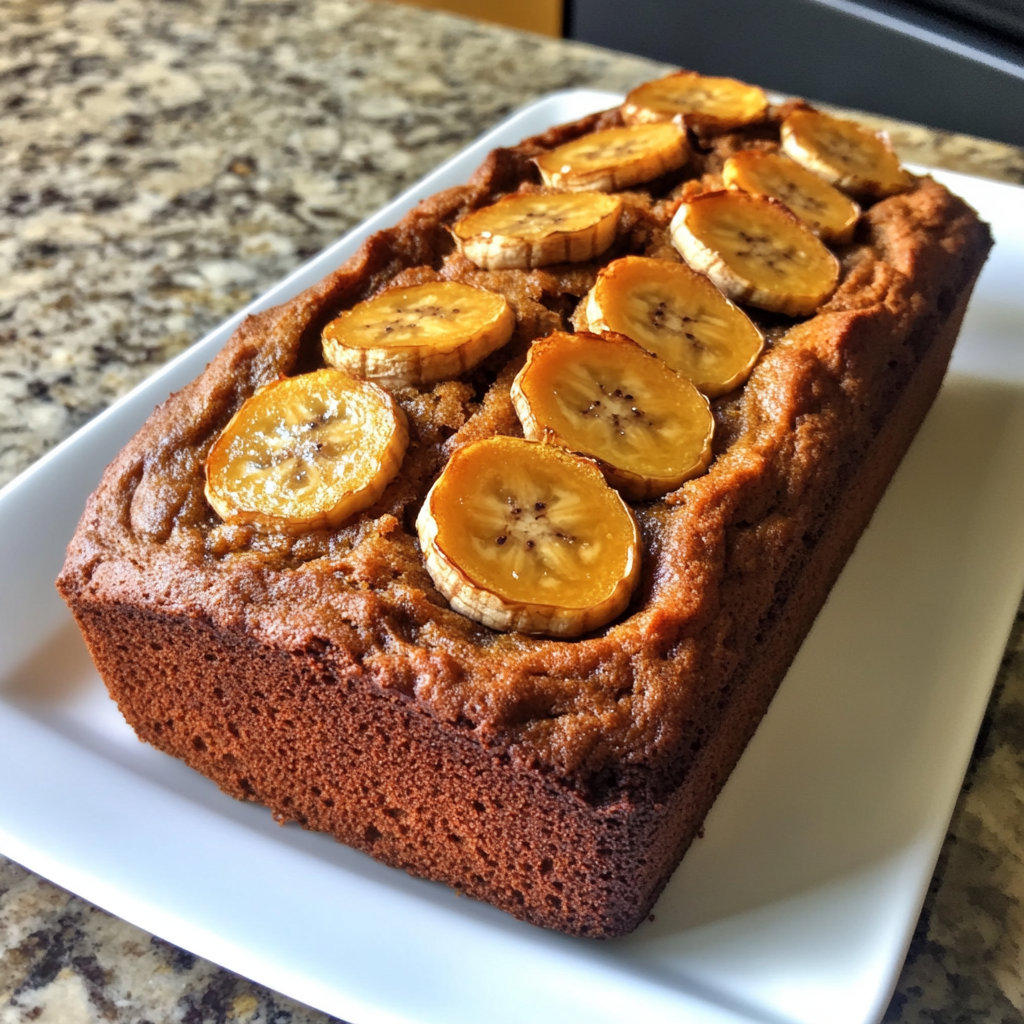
(160, 165)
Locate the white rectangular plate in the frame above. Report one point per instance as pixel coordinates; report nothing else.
(798, 903)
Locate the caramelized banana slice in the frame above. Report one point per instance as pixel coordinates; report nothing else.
(703, 103)
(844, 154)
(419, 335)
(523, 231)
(306, 452)
(756, 251)
(615, 158)
(526, 536)
(824, 209)
(678, 315)
(649, 428)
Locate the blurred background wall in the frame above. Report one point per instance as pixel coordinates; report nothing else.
(952, 64)
(543, 16)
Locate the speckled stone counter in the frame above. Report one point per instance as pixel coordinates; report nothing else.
(160, 165)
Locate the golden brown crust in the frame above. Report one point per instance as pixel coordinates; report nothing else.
(618, 717)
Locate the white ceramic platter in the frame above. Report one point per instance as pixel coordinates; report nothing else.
(799, 902)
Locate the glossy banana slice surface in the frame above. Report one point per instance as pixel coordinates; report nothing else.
(306, 452)
(831, 215)
(615, 158)
(608, 398)
(756, 251)
(702, 102)
(680, 316)
(418, 335)
(527, 230)
(526, 536)
(846, 155)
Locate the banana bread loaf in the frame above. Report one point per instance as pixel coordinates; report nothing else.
(323, 674)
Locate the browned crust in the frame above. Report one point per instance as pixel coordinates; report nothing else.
(382, 716)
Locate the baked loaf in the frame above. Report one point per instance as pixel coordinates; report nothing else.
(323, 675)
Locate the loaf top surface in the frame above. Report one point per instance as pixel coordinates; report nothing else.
(620, 705)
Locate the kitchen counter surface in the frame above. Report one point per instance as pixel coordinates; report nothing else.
(160, 165)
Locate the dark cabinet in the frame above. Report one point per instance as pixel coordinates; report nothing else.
(928, 62)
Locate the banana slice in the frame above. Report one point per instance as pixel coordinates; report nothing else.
(615, 158)
(703, 103)
(648, 428)
(680, 316)
(824, 209)
(844, 154)
(306, 452)
(756, 251)
(526, 536)
(419, 335)
(523, 231)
